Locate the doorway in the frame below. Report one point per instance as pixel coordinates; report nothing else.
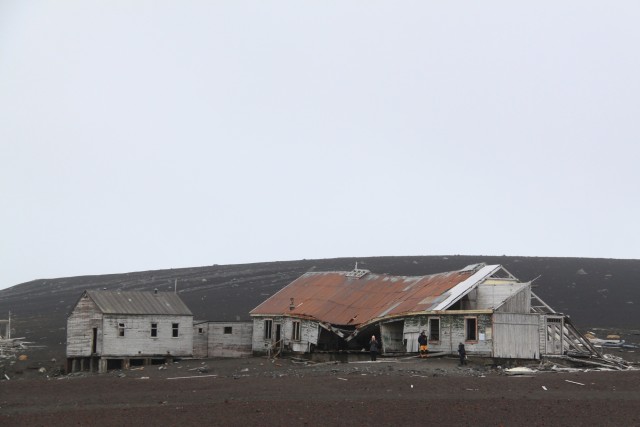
(278, 335)
(94, 341)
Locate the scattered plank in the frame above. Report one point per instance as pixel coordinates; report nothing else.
(193, 376)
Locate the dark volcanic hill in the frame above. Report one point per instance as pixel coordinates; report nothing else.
(601, 293)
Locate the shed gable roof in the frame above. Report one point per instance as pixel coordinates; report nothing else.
(110, 302)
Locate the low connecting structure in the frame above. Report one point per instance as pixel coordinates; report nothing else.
(483, 306)
(221, 339)
(114, 330)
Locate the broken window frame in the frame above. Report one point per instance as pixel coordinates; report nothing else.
(228, 330)
(121, 328)
(175, 330)
(434, 337)
(154, 330)
(471, 333)
(201, 331)
(295, 331)
(268, 329)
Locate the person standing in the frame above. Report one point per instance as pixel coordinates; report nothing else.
(373, 348)
(423, 343)
(463, 354)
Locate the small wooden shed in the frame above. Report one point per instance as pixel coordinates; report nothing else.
(115, 330)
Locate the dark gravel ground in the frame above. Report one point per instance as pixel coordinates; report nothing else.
(261, 392)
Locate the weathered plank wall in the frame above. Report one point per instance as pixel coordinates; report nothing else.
(201, 340)
(392, 337)
(309, 332)
(493, 293)
(236, 343)
(138, 340)
(452, 332)
(84, 317)
(516, 335)
(518, 303)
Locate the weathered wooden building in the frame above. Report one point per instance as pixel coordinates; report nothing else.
(221, 339)
(483, 306)
(112, 330)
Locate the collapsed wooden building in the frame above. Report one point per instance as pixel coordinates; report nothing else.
(483, 306)
(113, 330)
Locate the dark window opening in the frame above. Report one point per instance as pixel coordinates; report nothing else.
(201, 331)
(154, 330)
(174, 330)
(471, 329)
(228, 330)
(268, 325)
(120, 329)
(295, 335)
(434, 329)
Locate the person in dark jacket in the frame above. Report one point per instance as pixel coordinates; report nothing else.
(423, 343)
(463, 354)
(373, 348)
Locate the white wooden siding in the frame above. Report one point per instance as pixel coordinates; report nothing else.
(235, 344)
(137, 340)
(84, 317)
(452, 333)
(201, 340)
(392, 337)
(516, 336)
(492, 294)
(308, 334)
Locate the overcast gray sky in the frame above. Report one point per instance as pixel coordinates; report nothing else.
(140, 135)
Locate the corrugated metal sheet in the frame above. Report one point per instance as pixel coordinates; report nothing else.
(110, 302)
(335, 298)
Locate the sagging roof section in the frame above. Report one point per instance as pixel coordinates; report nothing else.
(342, 298)
(161, 303)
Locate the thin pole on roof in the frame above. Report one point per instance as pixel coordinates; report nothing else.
(175, 286)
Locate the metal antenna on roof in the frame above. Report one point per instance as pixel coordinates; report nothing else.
(356, 265)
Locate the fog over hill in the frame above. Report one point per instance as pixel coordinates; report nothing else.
(601, 293)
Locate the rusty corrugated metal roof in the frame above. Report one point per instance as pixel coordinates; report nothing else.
(338, 299)
(110, 302)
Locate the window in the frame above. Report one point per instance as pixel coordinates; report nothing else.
(471, 329)
(295, 333)
(154, 330)
(174, 330)
(201, 331)
(268, 326)
(434, 329)
(228, 330)
(120, 329)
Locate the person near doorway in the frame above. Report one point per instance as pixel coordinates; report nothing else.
(373, 348)
(423, 344)
(463, 354)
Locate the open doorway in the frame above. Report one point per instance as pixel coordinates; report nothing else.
(94, 341)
